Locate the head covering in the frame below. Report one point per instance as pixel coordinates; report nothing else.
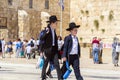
(72, 25)
(52, 18)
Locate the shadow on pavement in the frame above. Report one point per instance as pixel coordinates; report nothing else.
(103, 77)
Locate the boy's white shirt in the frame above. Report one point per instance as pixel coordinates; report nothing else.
(28, 49)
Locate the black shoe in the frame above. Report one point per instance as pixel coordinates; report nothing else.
(43, 78)
(100, 62)
(117, 65)
(49, 75)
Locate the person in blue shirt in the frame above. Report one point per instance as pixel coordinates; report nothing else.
(9, 48)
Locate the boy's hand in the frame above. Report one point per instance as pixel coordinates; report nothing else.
(64, 58)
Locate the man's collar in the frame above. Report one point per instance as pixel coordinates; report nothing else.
(73, 36)
(51, 28)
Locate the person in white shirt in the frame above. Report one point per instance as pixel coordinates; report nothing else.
(3, 48)
(60, 42)
(32, 40)
(14, 46)
(71, 51)
(38, 44)
(28, 51)
(60, 47)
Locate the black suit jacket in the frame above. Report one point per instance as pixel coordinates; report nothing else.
(68, 43)
(0, 45)
(48, 40)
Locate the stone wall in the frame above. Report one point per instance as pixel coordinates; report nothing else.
(3, 9)
(97, 18)
(90, 13)
(12, 23)
(10, 32)
(30, 25)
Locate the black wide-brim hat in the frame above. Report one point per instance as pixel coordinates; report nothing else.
(52, 18)
(72, 25)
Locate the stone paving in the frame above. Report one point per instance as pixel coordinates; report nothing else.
(22, 69)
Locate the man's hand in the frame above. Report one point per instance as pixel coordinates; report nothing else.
(41, 54)
(64, 58)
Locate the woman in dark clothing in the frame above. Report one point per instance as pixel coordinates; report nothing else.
(60, 46)
(0, 46)
(9, 48)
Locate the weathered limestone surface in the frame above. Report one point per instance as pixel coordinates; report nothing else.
(24, 22)
(85, 12)
(99, 18)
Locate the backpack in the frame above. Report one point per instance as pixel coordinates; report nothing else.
(19, 45)
(41, 40)
(32, 44)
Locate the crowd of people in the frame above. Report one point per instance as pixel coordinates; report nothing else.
(97, 50)
(20, 48)
(55, 49)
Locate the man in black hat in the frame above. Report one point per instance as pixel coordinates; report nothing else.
(71, 51)
(51, 47)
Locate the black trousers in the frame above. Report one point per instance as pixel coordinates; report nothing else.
(28, 55)
(54, 58)
(49, 70)
(74, 61)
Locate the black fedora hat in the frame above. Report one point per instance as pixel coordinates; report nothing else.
(72, 25)
(52, 18)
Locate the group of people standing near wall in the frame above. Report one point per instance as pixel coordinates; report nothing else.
(6, 47)
(97, 51)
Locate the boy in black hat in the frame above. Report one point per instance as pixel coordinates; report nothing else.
(71, 51)
(51, 47)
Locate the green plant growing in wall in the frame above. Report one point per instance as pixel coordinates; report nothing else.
(102, 17)
(96, 23)
(87, 12)
(110, 17)
(103, 30)
(81, 39)
(111, 12)
(82, 11)
(92, 31)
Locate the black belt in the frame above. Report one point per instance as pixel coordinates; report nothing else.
(73, 54)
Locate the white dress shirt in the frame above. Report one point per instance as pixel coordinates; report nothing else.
(74, 46)
(60, 44)
(3, 46)
(37, 42)
(28, 49)
(53, 36)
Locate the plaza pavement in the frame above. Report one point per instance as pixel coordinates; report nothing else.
(22, 69)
